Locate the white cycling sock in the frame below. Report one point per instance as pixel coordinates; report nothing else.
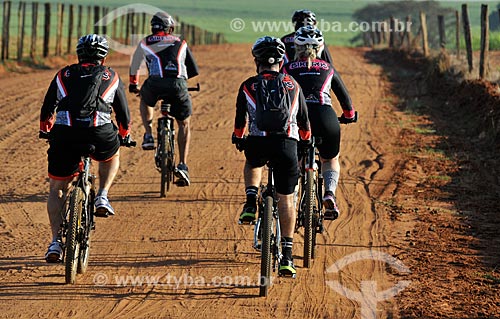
(331, 179)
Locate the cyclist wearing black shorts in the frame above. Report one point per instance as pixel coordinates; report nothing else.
(170, 63)
(317, 77)
(68, 128)
(261, 147)
(302, 18)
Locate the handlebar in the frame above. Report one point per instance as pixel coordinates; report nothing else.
(196, 88)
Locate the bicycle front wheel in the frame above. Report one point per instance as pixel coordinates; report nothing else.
(310, 196)
(266, 232)
(73, 234)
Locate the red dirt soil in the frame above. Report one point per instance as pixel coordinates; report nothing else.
(393, 199)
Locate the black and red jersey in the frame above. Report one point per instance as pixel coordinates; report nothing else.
(317, 81)
(166, 56)
(298, 126)
(288, 40)
(111, 91)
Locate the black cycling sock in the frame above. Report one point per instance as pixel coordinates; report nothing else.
(286, 246)
(251, 192)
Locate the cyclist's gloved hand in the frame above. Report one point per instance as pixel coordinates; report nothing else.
(349, 117)
(239, 142)
(43, 134)
(133, 88)
(126, 141)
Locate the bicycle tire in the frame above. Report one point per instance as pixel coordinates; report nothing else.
(72, 236)
(309, 228)
(163, 163)
(266, 255)
(170, 161)
(83, 258)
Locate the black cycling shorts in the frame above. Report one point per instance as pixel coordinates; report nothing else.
(325, 124)
(280, 151)
(64, 160)
(173, 90)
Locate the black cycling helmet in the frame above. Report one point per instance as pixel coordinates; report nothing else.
(268, 50)
(92, 47)
(302, 18)
(162, 21)
(309, 36)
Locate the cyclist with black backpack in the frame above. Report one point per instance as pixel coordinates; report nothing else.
(274, 108)
(77, 110)
(316, 78)
(170, 64)
(302, 18)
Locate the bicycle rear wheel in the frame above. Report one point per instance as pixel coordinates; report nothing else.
(309, 229)
(73, 234)
(162, 140)
(87, 226)
(266, 257)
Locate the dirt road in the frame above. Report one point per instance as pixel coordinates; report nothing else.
(187, 249)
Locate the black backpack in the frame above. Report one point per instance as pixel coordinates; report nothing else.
(82, 90)
(272, 109)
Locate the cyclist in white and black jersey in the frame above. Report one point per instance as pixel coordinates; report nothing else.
(170, 63)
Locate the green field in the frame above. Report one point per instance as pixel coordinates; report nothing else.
(216, 15)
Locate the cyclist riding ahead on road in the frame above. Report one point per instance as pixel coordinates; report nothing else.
(170, 63)
(279, 147)
(317, 77)
(77, 110)
(302, 18)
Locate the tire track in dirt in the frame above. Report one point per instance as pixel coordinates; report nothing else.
(190, 242)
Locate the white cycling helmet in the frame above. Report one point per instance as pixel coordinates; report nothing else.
(309, 36)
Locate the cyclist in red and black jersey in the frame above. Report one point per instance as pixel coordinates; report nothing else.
(170, 63)
(317, 78)
(261, 146)
(301, 18)
(66, 127)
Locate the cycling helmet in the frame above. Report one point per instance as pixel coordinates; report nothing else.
(92, 47)
(268, 50)
(302, 18)
(309, 36)
(162, 21)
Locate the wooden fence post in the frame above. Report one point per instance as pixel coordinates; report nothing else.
(34, 25)
(46, 33)
(391, 33)
(467, 35)
(79, 23)
(20, 35)
(457, 32)
(70, 28)
(60, 21)
(423, 25)
(485, 42)
(442, 34)
(5, 29)
(89, 20)
(96, 18)
(105, 21)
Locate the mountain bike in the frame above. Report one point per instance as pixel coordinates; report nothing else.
(165, 151)
(78, 214)
(267, 233)
(310, 208)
